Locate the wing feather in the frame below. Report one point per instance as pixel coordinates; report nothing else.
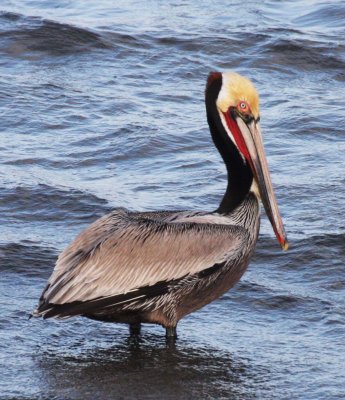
(123, 252)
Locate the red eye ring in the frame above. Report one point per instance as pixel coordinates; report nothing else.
(243, 106)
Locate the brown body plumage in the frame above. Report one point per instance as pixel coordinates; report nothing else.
(157, 267)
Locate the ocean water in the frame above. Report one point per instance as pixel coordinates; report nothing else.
(102, 106)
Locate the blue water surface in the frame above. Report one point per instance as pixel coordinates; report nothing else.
(102, 106)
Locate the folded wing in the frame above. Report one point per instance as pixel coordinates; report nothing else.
(122, 253)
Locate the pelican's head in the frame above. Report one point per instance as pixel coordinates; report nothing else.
(238, 92)
(237, 104)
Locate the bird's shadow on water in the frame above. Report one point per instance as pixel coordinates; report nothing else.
(146, 367)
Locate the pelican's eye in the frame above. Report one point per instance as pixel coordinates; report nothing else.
(243, 107)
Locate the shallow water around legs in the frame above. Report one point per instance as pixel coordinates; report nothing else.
(102, 106)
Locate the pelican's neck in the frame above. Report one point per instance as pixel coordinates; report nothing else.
(247, 214)
(240, 176)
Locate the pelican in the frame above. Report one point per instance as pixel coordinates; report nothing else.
(157, 267)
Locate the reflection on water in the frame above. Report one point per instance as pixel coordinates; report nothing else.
(146, 367)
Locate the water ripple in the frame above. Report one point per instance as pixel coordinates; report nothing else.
(102, 106)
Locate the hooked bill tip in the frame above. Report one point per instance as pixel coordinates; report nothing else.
(285, 246)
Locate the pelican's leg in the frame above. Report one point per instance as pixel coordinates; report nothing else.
(135, 328)
(170, 332)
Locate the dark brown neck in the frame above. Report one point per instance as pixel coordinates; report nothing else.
(240, 176)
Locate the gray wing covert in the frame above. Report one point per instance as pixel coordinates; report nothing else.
(119, 254)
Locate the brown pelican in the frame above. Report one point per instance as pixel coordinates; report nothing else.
(157, 267)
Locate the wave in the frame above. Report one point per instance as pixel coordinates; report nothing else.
(302, 53)
(330, 15)
(282, 48)
(23, 36)
(46, 203)
(28, 259)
